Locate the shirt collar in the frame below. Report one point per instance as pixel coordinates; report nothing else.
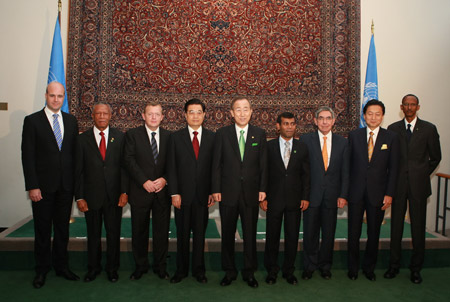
(97, 131)
(199, 130)
(375, 131)
(413, 123)
(50, 113)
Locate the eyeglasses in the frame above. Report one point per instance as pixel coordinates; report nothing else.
(328, 118)
(194, 112)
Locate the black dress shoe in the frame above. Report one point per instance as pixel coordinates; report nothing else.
(201, 279)
(291, 279)
(163, 275)
(137, 274)
(416, 278)
(307, 275)
(370, 276)
(251, 281)
(176, 279)
(90, 276)
(226, 281)
(39, 280)
(391, 273)
(326, 275)
(67, 274)
(271, 279)
(113, 276)
(352, 276)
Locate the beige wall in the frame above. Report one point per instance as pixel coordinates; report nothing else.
(411, 38)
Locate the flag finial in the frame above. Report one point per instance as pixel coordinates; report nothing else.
(372, 27)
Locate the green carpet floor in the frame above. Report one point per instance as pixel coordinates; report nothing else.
(16, 286)
(78, 229)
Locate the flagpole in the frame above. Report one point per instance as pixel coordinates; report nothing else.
(372, 28)
(59, 11)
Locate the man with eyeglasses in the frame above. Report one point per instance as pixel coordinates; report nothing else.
(145, 154)
(420, 154)
(329, 156)
(189, 170)
(239, 183)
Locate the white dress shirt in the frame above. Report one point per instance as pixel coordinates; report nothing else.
(49, 115)
(329, 137)
(98, 137)
(149, 133)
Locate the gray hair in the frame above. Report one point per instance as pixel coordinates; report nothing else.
(324, 108)
(102, 103)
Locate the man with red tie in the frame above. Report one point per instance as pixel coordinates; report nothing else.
(189, 170)
(101, 184)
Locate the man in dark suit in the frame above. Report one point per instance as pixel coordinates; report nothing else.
(48, 145)
(101, 185)
(287, 196)
(189, 169)
(420, 154)
(145, 154)
(328, 153)
(374, 155)
(239, 183)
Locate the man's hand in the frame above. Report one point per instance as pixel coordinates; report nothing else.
(35, 195)
(149, 186)
(262, 196)
(160, 183)
(176, 201)
(304, 204)
(263, 205)
(217, 197)
(387, 201)
(210, 201)
(123, 200)
(82, 205)
(341, 202)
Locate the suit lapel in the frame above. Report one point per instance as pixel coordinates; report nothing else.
(163, 137)
(378, 143)
(186, 137)
(317, 151)
(279, 159)
(93, 144)
(145, 140)
(234, 140)
(362, 137)
(49, 129)
(334, 147)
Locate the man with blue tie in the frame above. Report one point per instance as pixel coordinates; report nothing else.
(287, 196)
(374, 155)
(48, 146)
(329, 156)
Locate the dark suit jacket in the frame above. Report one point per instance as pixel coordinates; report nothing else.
(188, 176)
(328, 186)
(44, 166)
(288, 187)
(100, 182)
(230, 175)
(138, 159)
(418, 159)
(379, 176)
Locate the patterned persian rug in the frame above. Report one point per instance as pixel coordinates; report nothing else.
(283, 55)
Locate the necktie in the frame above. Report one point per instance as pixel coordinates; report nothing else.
(195, 144)
(409, 132)
(102, 146)
(287, 154)
(242, 144)
(325, 153)
(57, 130)
(370, 145)
(154, 147)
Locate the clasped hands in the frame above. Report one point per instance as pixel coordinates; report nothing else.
(154, 186)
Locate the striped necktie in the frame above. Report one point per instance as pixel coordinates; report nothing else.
(154, 147)
(57, 131)
(370, 145)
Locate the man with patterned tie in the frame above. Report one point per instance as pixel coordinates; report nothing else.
(329, 156)
(189, 169)
(287, 196)
(48, 145)
(420, 154)
(101, 186)
(145, 154)
(374, 155)
(239, 183)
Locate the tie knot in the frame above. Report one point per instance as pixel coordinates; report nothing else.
(153, 134)
(371, 133)
(55, 116)
(195, 133)
(324, 138)
(409, 126)
(242, 132)
(102, 133)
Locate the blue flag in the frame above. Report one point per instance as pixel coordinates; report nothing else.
(371, 85)
(56, 70)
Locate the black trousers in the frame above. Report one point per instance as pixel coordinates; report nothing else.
(193, 217)
(291, 233)
(249, 218)
(417, 215)
(318, 255)
(374, 217)
(53, 211)
(140, 223)
(112, 215)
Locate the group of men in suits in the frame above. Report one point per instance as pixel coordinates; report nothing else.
(193, 168)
